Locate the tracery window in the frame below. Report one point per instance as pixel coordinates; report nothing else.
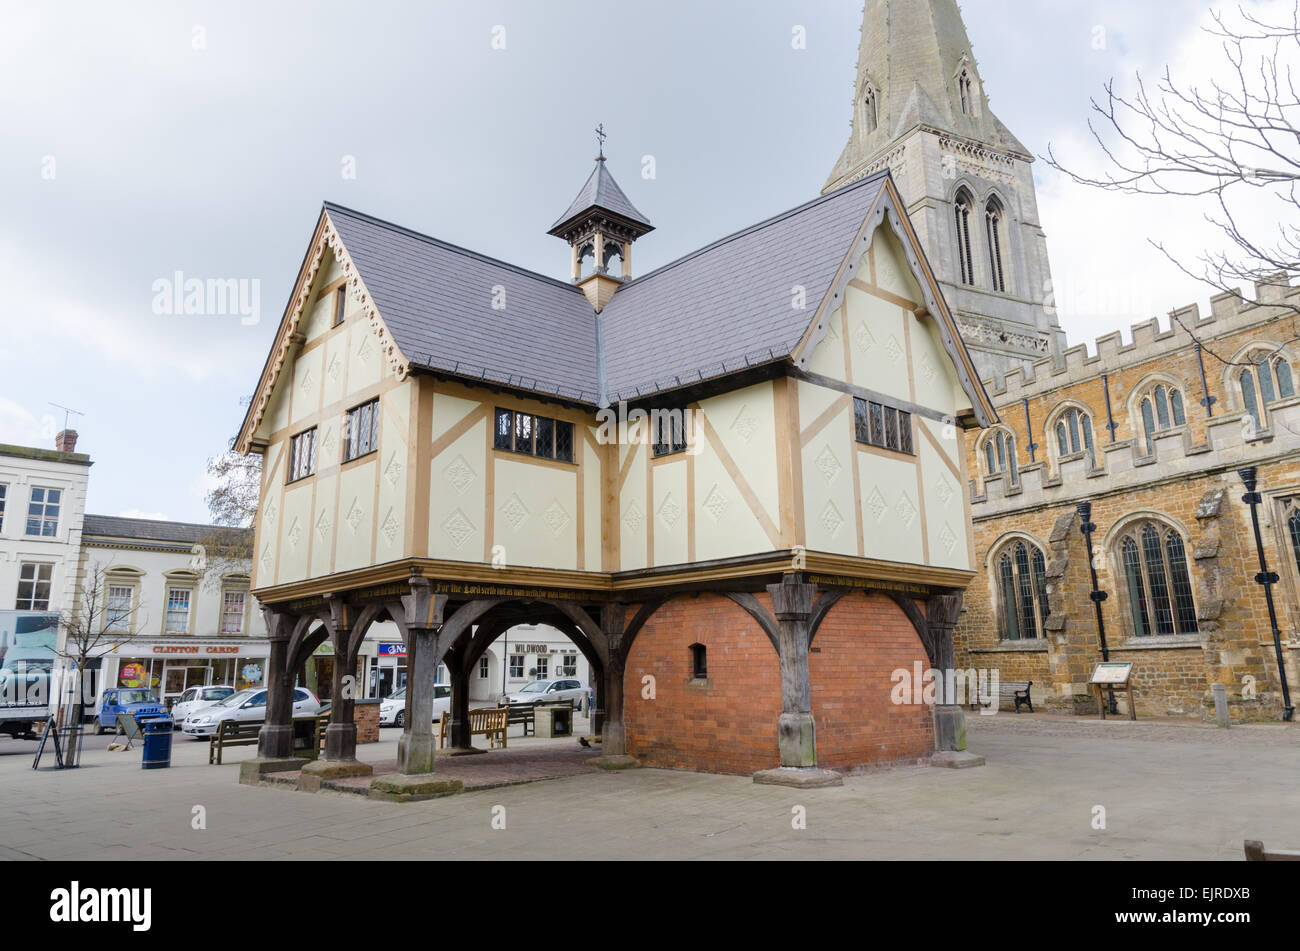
(1022, 591)
(965, 256)
(993, 218)
(1268, 378)
(1000, 454)
(1154, 562)
(870, 118)
(1161, 409)
(1073, 431)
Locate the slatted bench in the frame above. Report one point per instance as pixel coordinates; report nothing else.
(1255, 852)
(245, 733)
(1009, 691)
(491, 722)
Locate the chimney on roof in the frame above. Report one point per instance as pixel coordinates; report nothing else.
(66, 441)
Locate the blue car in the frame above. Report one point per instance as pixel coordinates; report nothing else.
(137, 701)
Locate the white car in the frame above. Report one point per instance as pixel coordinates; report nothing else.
(245, 705)
(548, 691)
(392, 710)
(195, 699)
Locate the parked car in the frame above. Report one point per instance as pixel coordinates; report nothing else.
(245, 705)
(195, 699)
(139, 702)
(392, 710)
(548, 691)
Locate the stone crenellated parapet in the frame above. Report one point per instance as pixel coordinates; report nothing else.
(1150, 341)
(1126, 464)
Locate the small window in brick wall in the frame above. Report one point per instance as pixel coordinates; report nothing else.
(699, 662)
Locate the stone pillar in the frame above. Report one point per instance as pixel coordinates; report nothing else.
(341, 734)
(792, 603)
(275, 740)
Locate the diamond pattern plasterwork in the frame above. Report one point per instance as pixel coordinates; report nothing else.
(894, 349)
(745, 425)
(948, 538)
(828, 465)
(669, 510)
(906, 509)
(390, 528)
(555, 517)
(354, 516)
(458, 528)
(863, 338)
(304, 381)
(393, 471)
(266, 558)
(323, 526)
(831, 519)
(633, 518)
(335, 368)
(715, 503)
(877, 505)
(928, 369)
(943, 489)
(514, 511)
(459, 475)
(295, 534)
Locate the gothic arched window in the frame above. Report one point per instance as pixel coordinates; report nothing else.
(1073, 432)
(870, 117)
(1000, 454)
(1266, 379)
(965, 207)
(1154, 561)
(966, 90)
(1293, 531)
(993, 218)
(1161, 408)
(1022, 591)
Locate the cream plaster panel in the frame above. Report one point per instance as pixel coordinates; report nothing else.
(828, 357)
(365, 359)
(592, 489)
(534, 516)
(295, 533)
(891, 509)
(272, 505)
(306, 384)
(878, 344)
(932, 368)
(632, 508)
(336, 368)
(324, 523)
(356, 515)
(724, 524)
(744, 421)
(448, 411)
(457, 494)
(670, 513)
(945, 513)
(330, 269)
(893, 274)
(319, 317)
(829, 518)
(390, 516)
(276, 417)
(329, 445)
(814, 400)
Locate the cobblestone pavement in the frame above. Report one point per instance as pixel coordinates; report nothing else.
(1169, 790)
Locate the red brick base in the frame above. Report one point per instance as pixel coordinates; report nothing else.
(727, 724)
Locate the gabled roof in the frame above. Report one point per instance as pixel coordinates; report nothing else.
(602, 192)
(721, 310)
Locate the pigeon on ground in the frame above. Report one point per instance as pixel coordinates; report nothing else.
(582, 741)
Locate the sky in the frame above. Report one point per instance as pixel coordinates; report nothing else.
(147, 139)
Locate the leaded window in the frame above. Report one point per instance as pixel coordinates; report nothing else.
(362, 435)
(1074, 435)
(883, 426)
(1162, 409)
(43, 512)
(533, 435)
(1022, 585)
(1154, 561)
(965, 256)
(302, 455)
(669, 429)
(1000, 454)
(993, 218)
(1266, 379)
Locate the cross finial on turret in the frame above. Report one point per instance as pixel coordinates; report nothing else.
(600, 138)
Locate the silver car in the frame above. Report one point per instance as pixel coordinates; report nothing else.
(392, 709)
(195, 699)
(246, 705)
(549, 691)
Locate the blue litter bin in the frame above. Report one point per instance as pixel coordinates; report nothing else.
(157, 743)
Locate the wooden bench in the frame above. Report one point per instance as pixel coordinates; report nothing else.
(245, 733)
(1255, 852)
(525, 713)
(1009, 691)
(491, 722)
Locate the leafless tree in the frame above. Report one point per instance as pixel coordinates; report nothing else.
(1233, 143)
(232, 503)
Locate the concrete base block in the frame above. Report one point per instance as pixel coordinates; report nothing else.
(318, 770)
(615, 762)
(401, 788)
(810, 778)
(953, 759)
(464, 751)
(251, 771)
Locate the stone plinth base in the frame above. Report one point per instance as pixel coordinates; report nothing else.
(251, 771)
(317, 770)
(464, 751)
(615, 762)
(953, 759)
(401, 788)
(799, 778)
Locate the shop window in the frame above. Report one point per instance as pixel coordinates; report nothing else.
(699, 662)
(34, 587)
(1022, 591)
(178, 611)
(1154, 562)
(43, 512)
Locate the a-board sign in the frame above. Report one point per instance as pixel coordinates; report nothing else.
(1113, 673)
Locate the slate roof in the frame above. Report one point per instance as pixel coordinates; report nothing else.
(601, 191)
(710, 313)
(147, 529)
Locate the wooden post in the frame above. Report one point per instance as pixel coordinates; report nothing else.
(341, 734)
(792, 603)
(941, 613)
(424, 616)
(275, 739)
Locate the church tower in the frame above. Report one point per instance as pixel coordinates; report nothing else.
(920, 109)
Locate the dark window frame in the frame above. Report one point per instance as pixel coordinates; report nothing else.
(699, 662)
(295, 471)
(42, 576)
(676, 441)
(884, 426)
(509, 424)
(354, 447)
(340, 306)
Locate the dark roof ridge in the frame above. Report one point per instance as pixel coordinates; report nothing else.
(448, 246)
(758, 226)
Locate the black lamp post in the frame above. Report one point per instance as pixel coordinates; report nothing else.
(1267, 579)
(1098, 596)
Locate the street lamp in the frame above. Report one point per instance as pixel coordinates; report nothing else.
(1098, 596)
(1267, 579)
